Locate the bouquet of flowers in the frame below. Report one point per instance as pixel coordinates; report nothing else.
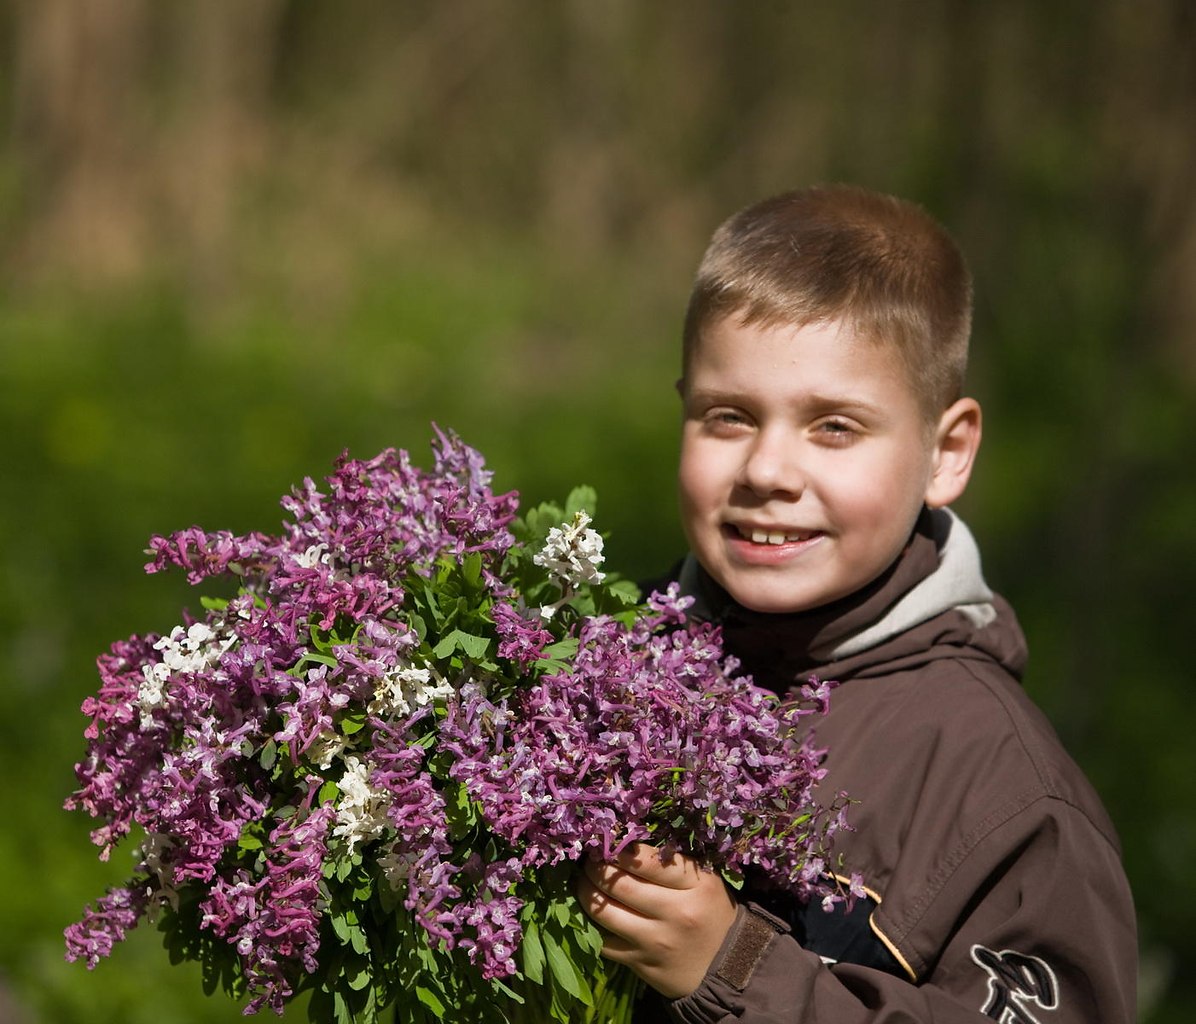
(367, 771)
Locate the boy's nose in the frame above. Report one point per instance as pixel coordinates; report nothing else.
(772, 466)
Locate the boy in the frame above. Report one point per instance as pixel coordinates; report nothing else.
(825, 433)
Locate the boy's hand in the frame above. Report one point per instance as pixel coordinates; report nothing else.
(663, 919)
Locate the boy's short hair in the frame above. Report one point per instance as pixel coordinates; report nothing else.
(882, 264)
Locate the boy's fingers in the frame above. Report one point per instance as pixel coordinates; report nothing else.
(618, 949)
(676, 871)
(620, 887)
(667, 935)
(614, 918)
(645, 896)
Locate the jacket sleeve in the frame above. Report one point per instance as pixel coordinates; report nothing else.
(1034, 926)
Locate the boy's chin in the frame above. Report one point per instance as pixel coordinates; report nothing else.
(770, 601)
(777, 607)
(777, 596)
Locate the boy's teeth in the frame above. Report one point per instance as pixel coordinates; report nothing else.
(769, 537)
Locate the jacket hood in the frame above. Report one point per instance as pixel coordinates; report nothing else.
(931, 603)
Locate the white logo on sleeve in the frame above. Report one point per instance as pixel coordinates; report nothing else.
(1017, 985)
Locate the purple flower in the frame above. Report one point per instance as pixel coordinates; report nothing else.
(521, 639)
(113, 917)
(273, 920)
(375, 722)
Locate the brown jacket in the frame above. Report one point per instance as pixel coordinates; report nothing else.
(996, 890)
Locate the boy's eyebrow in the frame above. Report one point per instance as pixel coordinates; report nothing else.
(688, 391)
(820, 402)
(832, 402)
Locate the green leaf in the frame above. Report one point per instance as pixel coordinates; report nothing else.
(471, 568)
(590, 937)
(556, 655)
(417, 623)
(357, 975)
(340, 927)
(431, 603)
(353, 722)
(583, 497)
(561, 913)
(210, 977)
(459, 810)
(565, 648)
(214, 604)
(319, 642)
(318, 658)
(345, 866)
(506, 990)
(427, 957)
(319, 1007)
(426, 996)
(564, 970)
(268, 755)
(359, 940)
(472, 646)
(625, 590)
(532, 951)
(540, 520)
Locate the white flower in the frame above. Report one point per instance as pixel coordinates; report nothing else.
(163, 892)
(195, 649)
(315, 555)
(404, 689)
(361, 812)
(572, 553)
(325, 747)
(152, 691)
(396, 867)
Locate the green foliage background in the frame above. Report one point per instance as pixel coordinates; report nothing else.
(239, 238)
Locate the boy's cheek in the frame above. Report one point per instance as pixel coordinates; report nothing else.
(701, 467)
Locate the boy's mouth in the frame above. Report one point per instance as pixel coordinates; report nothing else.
(758, 535)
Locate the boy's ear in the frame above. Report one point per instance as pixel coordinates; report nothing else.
(956, 441)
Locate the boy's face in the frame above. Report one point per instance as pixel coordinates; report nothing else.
(805, 461)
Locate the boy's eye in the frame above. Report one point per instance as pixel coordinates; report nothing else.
(725, 417)
(837, 431)
(724, 422)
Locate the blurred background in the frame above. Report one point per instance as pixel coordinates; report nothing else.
(240, 236)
